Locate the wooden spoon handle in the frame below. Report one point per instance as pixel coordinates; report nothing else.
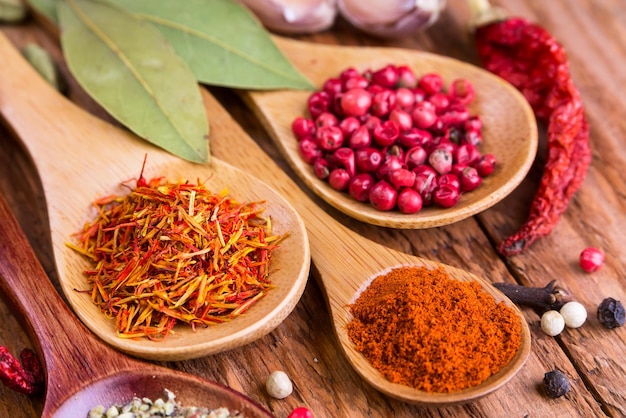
(58, 336)
(24, 98)
(26, 287)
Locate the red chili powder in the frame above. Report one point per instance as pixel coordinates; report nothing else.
(423, 329)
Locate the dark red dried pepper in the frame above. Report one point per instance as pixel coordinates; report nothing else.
(529, 58)
(27, 377)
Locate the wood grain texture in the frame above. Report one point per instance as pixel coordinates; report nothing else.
(303, 345)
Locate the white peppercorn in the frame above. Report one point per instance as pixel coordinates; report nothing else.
(278, 385)
(552, 323)
(574, 314)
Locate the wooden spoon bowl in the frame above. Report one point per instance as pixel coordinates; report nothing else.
(81, 371)
(81, 158)
(510, 129)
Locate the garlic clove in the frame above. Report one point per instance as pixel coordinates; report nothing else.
(391, 18)
(294, 16)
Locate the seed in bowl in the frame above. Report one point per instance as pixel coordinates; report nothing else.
(146, 408)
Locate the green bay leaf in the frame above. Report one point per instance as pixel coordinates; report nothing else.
(47, 8)
(12, 10)
(222, 41)
(127, 66)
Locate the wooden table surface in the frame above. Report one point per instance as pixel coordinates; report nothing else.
(594, 35)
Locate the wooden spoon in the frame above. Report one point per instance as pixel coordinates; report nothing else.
(81, 371)
(80, 158)
(346, 261)
(510, 129)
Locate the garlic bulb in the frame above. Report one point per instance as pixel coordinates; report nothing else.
(294, 16)
(391, 18)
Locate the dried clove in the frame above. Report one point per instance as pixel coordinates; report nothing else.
(542, 299)
(556, 383)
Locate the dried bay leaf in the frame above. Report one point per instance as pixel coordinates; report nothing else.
(43, 63)
(222, 41)
(12, 10)
(48, 8)
(127, 66)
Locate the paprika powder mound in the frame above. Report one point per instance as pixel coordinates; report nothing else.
(423, 329)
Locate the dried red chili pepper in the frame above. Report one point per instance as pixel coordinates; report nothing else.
(528, 57)
(27, 377)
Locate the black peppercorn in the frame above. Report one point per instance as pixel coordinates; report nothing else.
(611, 313)
(556, 383)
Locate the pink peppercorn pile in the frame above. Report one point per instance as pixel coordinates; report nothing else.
(393, 140)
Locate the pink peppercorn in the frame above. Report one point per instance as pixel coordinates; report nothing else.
(441, 160)
(344, 158)
(309, 150)
(591, 259)
(470, 179)
(485, 165)
(402, 118)
(404, 98)
(368, 160)
(387, 76)
(409, 201)
(424, 115)
(446, 196)
(326, 119)
(406, 77)
(339, 179)
(462, 91)
(356, 102)
(319, 102)
(349, 125)
(431, 83)
(386, 133)
(303, 127)
(401, 178)
(321, 168)
(300, 412)
(360, 185)
(386, 137)
(383, 196)
(329, 138)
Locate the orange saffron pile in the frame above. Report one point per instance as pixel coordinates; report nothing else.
(169, 252)
(423, 329)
